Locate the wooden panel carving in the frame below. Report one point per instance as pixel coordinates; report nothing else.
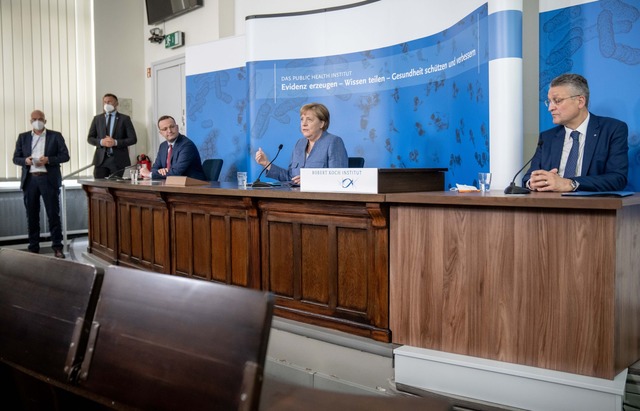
(102, 223)
(327, 264)
(144, 231)
(212, 240)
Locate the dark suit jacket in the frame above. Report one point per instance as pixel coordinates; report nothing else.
(55, 149)
(123, 131)
(605, 162)
(185, 160)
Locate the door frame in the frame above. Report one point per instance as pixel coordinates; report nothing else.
(155, 68)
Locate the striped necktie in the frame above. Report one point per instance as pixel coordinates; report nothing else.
(572, 160)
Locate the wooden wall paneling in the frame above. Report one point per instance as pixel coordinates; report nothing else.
(327, 264)
(102, 223)
(144, 230)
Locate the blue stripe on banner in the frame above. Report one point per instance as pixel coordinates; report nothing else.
(505, 34)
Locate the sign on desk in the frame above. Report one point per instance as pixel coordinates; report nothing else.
(339, 180)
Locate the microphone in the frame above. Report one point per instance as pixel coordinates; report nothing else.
(261, 184)
(115, 173)
(513, 188)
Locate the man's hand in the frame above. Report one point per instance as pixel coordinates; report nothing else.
(542, 180)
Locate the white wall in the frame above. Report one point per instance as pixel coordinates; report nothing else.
(119, 59)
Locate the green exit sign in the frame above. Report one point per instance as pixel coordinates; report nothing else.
(173, 40)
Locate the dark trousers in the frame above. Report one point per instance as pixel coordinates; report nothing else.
(36, 187)
(107, 168)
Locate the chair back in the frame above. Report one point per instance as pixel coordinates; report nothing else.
(356, 162)
(46, 307)
(165, 342)
(212, 168)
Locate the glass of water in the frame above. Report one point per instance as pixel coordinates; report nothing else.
(484, 182)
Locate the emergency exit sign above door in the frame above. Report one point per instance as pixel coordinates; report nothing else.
(173, 40)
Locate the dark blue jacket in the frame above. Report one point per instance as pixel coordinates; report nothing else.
(605, 161)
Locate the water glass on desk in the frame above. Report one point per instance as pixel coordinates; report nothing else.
(134, 173)
(484, 182)
(242, 179)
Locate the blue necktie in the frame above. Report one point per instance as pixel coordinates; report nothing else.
(109, 149)
(572, 160)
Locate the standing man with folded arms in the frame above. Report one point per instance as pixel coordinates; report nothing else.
(584, 152)
(40, 153)
(112, 133)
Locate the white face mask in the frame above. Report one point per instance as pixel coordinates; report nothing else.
(38, 125)
(108, 108)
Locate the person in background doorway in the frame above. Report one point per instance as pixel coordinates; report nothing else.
(177, 156)
(112, 133)
(40, 153)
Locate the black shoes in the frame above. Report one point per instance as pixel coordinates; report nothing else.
(58, 253)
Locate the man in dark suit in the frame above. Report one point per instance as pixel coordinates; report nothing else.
(40, 153)
(112, 133)
(584, 152)
(177, 156)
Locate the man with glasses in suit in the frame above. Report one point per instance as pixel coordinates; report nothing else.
(584, 152)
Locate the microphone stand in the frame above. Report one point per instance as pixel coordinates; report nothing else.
(77, 171)
(261, 184)
(63, 207)
(513, 188)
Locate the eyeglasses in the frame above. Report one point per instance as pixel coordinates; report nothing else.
(557, 101)
(172, 126)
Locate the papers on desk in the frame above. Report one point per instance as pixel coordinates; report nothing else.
(598, 194)
(461, 188)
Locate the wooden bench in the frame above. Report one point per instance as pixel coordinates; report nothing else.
(75, 338)
(46, 308)
(167, 343)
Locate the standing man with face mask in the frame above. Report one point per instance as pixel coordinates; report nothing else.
(112, 133)
(40, 153)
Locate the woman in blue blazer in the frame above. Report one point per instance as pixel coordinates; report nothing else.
(317, 149)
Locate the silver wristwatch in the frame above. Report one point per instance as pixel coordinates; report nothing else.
(574, 185)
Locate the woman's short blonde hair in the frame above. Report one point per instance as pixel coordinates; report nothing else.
(320, 110)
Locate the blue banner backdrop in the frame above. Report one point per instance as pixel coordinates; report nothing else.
(422, 103)
(601, 41)
(217, 117)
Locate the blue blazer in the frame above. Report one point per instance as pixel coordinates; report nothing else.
(185, 160)
(605, 162)
(54, 148)
(327, 152)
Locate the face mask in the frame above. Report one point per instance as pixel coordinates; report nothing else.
(108, 108)
(38, 125)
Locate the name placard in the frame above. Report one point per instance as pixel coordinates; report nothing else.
(339, 180)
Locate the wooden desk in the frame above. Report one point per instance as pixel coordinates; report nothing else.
(539, 280)
(324, 256)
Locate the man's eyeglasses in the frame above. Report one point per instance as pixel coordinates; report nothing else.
(169, 127)
(557, 101)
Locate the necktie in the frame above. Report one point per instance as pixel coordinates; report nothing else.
(572, 160)
(169, 156)
(108, 132)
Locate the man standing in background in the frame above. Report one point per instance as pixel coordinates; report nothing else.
(40, 153)
(112, 133)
